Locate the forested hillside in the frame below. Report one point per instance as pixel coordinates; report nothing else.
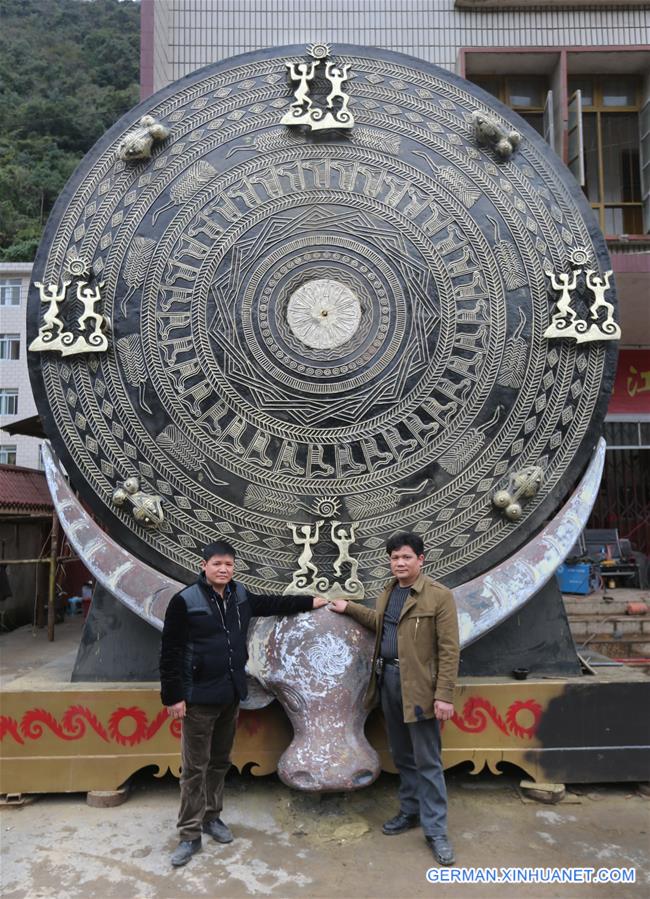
(68, 70)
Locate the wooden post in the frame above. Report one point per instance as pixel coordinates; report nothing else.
(51, 596)
(42, 579)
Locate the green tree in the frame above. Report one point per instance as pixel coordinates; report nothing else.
(68, 70)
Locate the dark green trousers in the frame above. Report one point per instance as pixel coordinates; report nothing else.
(208, 733)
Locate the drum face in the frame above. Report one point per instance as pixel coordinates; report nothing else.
(310, 331)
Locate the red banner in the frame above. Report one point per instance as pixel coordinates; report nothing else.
(631, 392)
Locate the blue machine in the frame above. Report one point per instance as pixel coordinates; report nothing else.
(581, 577)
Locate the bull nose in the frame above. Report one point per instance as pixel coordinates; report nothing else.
(302, 779)
(305, 780)
(363, 777)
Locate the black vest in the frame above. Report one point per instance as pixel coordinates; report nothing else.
(215, 653)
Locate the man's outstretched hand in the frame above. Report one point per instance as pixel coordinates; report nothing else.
(319, 602)
(338, 605)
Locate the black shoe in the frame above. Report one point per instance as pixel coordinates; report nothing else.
(400, 823)
(184, 851)
(442, 850)
(218, 831)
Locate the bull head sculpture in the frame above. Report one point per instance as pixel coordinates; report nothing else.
(317, 665)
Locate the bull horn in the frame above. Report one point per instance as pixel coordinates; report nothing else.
(482, 602)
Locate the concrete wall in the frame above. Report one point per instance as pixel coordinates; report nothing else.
(194, 33)
(633, 286)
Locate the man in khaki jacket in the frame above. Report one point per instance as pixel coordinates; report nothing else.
(414, 671)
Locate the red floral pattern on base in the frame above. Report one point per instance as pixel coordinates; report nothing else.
(129, 726)
(477, 713)
(77, 720)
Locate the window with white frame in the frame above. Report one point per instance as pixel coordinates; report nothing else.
(7, 453)
(8, 401)
(10, 291)
(610, 106)
(9, 346)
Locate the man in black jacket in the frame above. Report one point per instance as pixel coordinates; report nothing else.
(202, 677)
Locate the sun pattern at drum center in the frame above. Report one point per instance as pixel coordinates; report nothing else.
(324, 313)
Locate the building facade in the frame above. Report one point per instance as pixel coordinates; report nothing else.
(16, 399)
(578, 71)
(179, 36)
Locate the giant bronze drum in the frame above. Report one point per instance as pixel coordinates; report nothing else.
(301, 299)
